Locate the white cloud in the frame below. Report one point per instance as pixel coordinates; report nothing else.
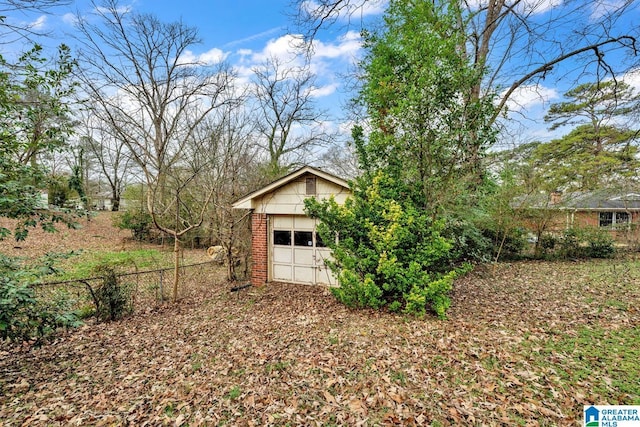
(211, 57)
(528, 97)
(603, 8)
(348, 10)
(69, 18)
(347, 46)
(39, 23)
(283, 48)
(539, 6)
(375, 7)
(286, 49)
(632, 78)
(319, 92)
(530, 7)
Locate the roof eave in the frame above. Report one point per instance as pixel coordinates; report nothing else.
(246, 202)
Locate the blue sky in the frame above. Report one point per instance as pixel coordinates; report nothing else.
(242, 32)
(246, 32)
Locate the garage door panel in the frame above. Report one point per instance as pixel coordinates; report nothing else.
(303, 256)
(303, 223)
(303, 274)
(282, 254)
(282, 273)
(324, 276)
(321, 255)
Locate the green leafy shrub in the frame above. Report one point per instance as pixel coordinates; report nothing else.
(470, 243)
(389, 253)
(139, 222)
(600, 244)
(113, 299)
(59, 192)
(548, 242)
(23, 314)
(510, 244)
(586, 242)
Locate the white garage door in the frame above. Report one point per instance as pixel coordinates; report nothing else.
(297, 252)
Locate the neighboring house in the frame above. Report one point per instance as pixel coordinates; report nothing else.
(614, 211)
(284, 244)
(102, 202)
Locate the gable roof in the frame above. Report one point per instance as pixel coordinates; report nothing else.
(597, 200)
(245, 202)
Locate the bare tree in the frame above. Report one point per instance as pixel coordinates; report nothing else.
(11, 31)
(110, 155)
(290, 123)
(233, 171)
(516, 42)
(154, 98)
(319, 14)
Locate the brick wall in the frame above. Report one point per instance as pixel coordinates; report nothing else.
(259, 275)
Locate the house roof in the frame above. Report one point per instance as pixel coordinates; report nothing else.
(245, 202)
(598, 200)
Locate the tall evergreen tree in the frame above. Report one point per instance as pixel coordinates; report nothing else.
(419, 162)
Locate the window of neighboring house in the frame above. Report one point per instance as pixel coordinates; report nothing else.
(609, 219)
(622, 218)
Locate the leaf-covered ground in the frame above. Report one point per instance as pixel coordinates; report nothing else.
(526, 343)
(95, 233)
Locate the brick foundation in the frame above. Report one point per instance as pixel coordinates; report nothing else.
(259, 248)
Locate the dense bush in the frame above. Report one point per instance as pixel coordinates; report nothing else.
(389, 252)
(139, 222)
(23, 315)
(547, 243)
(510, 243)
(469, 242)
(586, 243)
(113, 299)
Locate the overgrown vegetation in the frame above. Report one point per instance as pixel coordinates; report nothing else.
(113, 298)
(420, 165)
(138, 221)
(34, 121)
(24, 315)
(515, 350)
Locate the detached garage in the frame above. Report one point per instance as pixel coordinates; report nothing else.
(285, 245)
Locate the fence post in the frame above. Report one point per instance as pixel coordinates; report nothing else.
(161, 290)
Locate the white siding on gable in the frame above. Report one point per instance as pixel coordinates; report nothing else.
(289, 199)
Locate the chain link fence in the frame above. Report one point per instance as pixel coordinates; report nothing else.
(146, 289)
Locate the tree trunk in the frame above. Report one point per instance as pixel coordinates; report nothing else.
(176, 266)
